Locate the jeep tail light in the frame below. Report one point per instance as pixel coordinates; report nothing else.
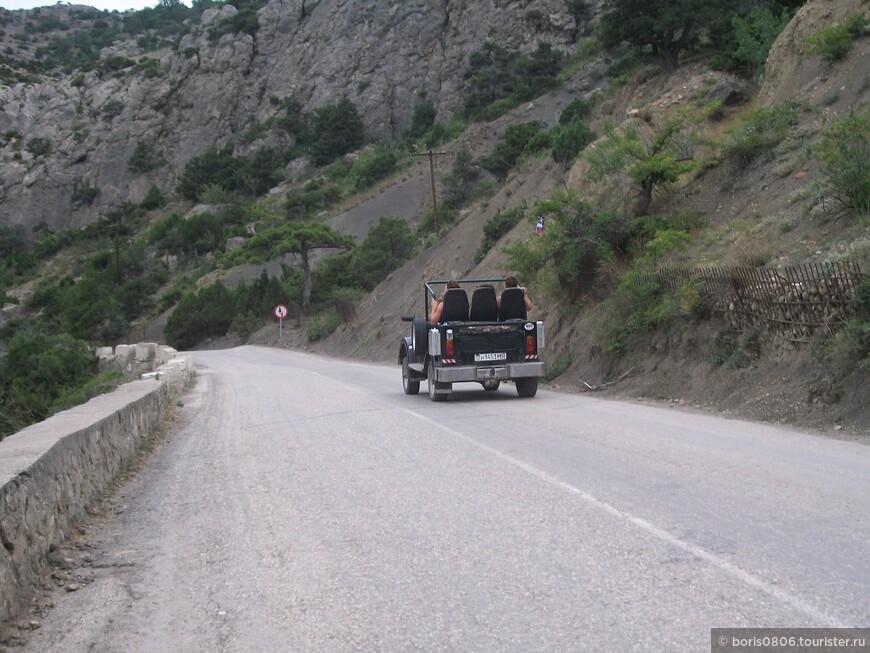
(530, 344)
(450, 347)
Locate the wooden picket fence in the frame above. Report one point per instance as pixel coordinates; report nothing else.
(793, 302)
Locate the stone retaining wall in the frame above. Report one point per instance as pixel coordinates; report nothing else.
(51, 472)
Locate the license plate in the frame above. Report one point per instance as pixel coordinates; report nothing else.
(478, 358)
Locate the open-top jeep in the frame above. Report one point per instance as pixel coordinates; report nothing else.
(486, 340)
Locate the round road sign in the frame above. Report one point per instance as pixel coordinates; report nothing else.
(280, 311)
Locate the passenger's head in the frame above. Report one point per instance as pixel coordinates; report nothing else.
(510, 281)
(453, 283)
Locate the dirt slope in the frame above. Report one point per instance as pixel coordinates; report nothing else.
(762, 213)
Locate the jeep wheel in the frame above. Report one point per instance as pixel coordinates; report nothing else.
(527, 386)
(410, 387)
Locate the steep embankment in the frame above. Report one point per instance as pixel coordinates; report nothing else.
(761, 212)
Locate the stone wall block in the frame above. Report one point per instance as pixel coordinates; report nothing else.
(51, 472)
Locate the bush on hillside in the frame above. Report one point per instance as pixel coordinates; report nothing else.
(654, 161)
(259, 297)
(518, 140)
(576, 240)
(387, 245)
(568, 141)
(315, 196)
(370, 168)
(844, 153)
(835, 42)
(753, 36)
(499, 79)
(496, 227)
(253, 177)
(337, 129)
(153, 199)
(38, 372)
(198, 316)
(459, 184)
(422, 119)
(760, 131)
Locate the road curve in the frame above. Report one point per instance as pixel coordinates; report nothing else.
(309, 505)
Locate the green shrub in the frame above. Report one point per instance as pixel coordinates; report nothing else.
(499, 79)
(260, 297)
(654, 162)
(143, 159)
(443, 132)
(622, 61)
(557, 367)
(77, 395)
(835, 42)
(153, 199)
(245, 325)
(198, 316)
(638, 305)
(313, 197)
(734, 350)
(147, 67)
(753, 35)
(387, 245)
(576, 241)
(244, 21)
(664, 242)
(114, 63)
(575, 111)
(170, 298)
(843, 152)
(254, 176)
(458, 187)
(257, 130)
(422, 120)
(37, 372)
(38, 146)
(201, 233)
(323, 325)
(568, 141)
(84, 194)
(496, 227)
(517, 140)
(371, 168)
(337, 130)
(760, 131)
(847, 350)
(165, 233)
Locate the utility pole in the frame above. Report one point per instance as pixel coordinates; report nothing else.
(432, 156)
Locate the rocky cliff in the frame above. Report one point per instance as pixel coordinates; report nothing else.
(205, 93)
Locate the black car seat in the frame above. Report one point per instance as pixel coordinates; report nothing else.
(513, 305)
(455, 306)
(484, 307)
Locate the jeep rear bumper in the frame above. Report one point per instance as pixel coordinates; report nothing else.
(506, 372)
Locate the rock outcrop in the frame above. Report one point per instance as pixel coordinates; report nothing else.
(205, 93)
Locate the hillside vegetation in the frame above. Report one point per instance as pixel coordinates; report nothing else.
(714, 141)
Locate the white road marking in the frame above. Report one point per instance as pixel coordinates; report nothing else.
(713, 559)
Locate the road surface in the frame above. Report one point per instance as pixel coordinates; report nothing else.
(308, 505)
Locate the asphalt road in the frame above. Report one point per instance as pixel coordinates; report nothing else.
(307, 504)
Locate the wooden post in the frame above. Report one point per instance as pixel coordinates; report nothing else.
(432, 156)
